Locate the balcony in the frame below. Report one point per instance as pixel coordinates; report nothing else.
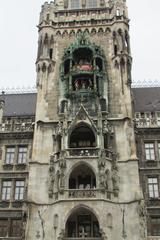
(148, 122)
(153, 238)
(88, 152)
(84, 238)
(88, 193)
(11, 238)
(81, 152)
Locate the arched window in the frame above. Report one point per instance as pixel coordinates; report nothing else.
(82, 177)
(82, 223)
(82, 137)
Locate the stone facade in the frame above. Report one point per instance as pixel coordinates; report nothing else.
(70, 169)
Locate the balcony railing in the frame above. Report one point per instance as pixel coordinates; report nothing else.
(81, 238)
(89, 193)
(11, 238)
(153, 238)
(150, 122)
(16, 127)
(87, 152)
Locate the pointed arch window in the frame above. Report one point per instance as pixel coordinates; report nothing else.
(82, 137)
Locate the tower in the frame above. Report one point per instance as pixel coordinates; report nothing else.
(83, 178)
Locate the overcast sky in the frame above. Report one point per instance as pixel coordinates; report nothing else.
(18, 42)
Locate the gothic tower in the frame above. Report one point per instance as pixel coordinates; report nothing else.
(83, 179)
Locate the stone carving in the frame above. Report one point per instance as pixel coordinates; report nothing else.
(51, 180)
(59, 129)
(57, 182)
(102, 159)
(61, 235)
(115, 178)
(143, 219)
(103, 235)
(107, 128)
(62, 165)
(107, 180)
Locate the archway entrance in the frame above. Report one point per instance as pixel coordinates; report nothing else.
(82, 224)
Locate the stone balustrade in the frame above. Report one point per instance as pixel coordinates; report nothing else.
(81, 238)
(151, 122)
(16, 126)
(89, 193)
(153, 238)
(87, 152)
(10, 238)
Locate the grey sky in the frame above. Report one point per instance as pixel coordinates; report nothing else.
(18, 44)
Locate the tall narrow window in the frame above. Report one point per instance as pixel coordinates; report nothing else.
(118, 12)
(10, 153)
(149, 151)
(19, 190)
(3, 227)
(6, 190)
(155, 226)
(16, 228)
(22, 155)
(91, 3)
(75, 4)
(153, 187)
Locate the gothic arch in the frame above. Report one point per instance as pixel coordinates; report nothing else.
(100, 31)
(58, 33)
(82, 128)
(93, 31)
(81, 206)
(72, 33)
(79, 31)
(65, 33)
(107, 30)
(81, 176)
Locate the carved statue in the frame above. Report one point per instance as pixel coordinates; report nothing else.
(115, 178)
(51, 180)
(101, 178)
(61, 235)
(107, 182)
(103, 235)
(57, 182)
(59, 128)
(102, 159)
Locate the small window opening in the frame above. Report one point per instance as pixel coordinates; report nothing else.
(50, 53)
(115, 50)
(118, 13)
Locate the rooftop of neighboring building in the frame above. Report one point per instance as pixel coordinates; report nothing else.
(24, 104)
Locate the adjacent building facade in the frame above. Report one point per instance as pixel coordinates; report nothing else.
(69, 166)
